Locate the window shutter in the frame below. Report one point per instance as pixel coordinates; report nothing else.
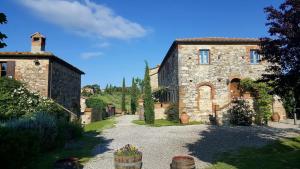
(11, 69)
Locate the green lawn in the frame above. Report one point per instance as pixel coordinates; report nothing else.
(283, 154)
(115, 98)
(162, 122)
(80, 148)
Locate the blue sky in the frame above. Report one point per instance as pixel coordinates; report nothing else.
(111, 39)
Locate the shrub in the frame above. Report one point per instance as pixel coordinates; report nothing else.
(16, 101)
(97, 105)
(173, 113)
(68, 131)
(17, 147)
(43, 124)
(240, 113)
(51, 107)
(262, 98)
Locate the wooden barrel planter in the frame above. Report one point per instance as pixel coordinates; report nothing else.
(128, 162)
(183, 162)
(67, 163)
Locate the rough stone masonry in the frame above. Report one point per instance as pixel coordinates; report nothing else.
(202, 82)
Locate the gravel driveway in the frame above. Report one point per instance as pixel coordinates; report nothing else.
(160, 144)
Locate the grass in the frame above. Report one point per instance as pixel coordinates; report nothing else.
(99, 125)
(284, 153)
(162, 122)
(115, 99)
(80, 149)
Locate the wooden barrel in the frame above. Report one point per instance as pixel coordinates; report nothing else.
(128, 162)
(183, 162)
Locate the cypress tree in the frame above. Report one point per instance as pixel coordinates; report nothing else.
(133, 101)
(123, 96)
(106, 88)
(148, 100)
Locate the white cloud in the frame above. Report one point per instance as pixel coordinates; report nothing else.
(90, 55)
(86, 18)
(102, 45)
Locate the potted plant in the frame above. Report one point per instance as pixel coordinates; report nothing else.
(275, 117)
(184, 118)
(128, 157)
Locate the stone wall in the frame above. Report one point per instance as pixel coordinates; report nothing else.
(160, 110)
(82, 104)
(168, 78)
(65, 86)
(154, 78)
(209, 85)
(35, 76)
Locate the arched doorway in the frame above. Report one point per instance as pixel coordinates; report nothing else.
(205, 99)
(235, 88)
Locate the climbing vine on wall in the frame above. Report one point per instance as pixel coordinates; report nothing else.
(262, 99)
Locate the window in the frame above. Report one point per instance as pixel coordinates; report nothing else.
(254, 57)
(36, 39)
(3, 69)
(204, 56)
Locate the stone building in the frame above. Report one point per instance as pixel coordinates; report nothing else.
(202, 75)
(153, 72)
(45, 73)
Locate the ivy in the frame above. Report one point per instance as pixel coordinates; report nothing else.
(262, 98)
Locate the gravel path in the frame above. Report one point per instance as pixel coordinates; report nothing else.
(160, 144)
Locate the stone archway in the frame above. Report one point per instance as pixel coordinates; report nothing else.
(234, 87)
(206, 93)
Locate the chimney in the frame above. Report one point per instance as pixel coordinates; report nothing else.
(38, 42)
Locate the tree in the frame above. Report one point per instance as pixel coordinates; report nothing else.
(282, 49)
(3, 20)
(148, 100)
(134, 96)
(123, 102)
(140, 83)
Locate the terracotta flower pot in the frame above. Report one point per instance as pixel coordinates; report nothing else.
(275, 117)
(184, 118)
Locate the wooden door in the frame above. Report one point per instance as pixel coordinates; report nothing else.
(235, 88)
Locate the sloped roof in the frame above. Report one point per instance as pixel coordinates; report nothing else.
(219, 39)
(37, 33)
(47, 55)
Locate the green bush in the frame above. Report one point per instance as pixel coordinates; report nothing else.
(16, 101)
(68, 131)
(17, 147)
(24, 138)
(173, 113)
(262, 99)
(240, 114)
(43, 124)
(98, 105)
(51, 107)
